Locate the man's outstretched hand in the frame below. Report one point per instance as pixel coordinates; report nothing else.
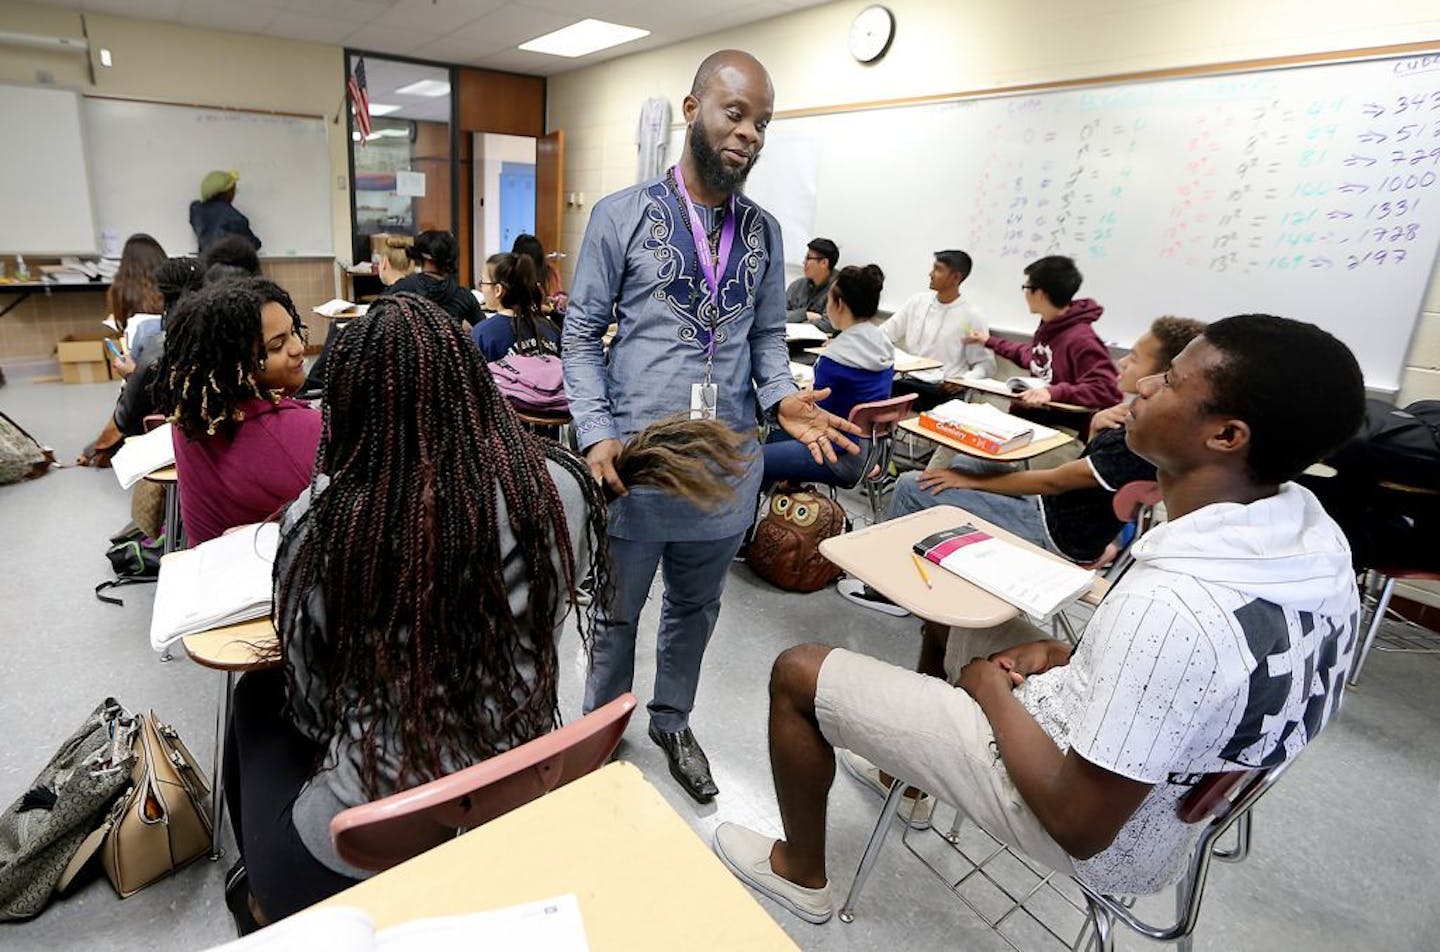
(817, 428)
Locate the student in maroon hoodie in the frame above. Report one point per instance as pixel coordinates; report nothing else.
(1065, 351)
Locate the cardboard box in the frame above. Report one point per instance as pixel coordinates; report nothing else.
(83, 358)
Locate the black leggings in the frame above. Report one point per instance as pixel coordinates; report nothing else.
(267, 761)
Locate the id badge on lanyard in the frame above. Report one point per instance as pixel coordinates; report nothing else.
(704, 395)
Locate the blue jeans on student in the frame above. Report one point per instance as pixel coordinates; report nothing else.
(1017, 514)
(694, 574)
(786, 458)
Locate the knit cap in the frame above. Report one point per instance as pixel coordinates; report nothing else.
(216, 182)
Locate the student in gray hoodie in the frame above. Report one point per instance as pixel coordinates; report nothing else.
(858, 366)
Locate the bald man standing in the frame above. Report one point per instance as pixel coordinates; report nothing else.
(693, 274)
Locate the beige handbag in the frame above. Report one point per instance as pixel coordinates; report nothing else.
(162, 822)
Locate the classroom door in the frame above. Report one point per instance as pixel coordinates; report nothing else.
(517, 202)
(549, 188)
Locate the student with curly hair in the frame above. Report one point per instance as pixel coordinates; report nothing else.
(438, 258)
(520, 327)
(234, 352)
(420, 588)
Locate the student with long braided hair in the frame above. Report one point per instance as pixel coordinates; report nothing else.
(420, 587)
(234, 353)
(520, 327)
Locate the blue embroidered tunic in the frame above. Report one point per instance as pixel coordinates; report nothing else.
(638, 268)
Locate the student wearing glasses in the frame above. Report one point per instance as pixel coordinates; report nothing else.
(807, 295)
(1065, 352)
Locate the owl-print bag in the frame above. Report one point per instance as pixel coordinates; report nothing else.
(785, 550)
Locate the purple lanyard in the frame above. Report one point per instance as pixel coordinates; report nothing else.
(713, 270)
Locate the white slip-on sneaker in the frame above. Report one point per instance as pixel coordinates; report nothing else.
(747, 854)
(858, 592)
(916, 812)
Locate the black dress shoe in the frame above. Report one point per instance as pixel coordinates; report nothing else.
(237, 898)
(688, 763)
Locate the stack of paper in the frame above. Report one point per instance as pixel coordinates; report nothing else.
(143, 455)
(982, 426)
(803, 376)
(339, 307)
(217, 583)
(1033, 582)
(805, 331)
(550, 925)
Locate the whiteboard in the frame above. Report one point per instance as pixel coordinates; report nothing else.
(147, 160)
(45, 206)
(1311, 192)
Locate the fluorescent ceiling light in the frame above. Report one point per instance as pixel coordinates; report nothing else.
(426, 87)
(587, 36)
(381, 109)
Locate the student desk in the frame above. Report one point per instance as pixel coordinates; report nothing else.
(879, 556)
(903, 366)
(1023, 455)
(235, 648)
(998, 388)
(643, 878)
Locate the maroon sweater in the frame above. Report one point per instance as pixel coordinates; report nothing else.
(1068, 354)
(250, 475)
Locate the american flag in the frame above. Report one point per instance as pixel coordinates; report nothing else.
(360, 99)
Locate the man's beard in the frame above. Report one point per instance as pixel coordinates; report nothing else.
(717, 176)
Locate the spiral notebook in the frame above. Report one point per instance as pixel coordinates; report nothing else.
(1034, 583)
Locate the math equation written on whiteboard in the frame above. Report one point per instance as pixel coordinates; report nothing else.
(1276, 173)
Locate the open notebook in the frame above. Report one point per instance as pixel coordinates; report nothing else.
(142, 455)
(217, 583)
(1034, 583)
(549, 925)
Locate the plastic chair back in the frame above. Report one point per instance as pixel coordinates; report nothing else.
(878, 419)
(1136, 498)
(389, 831)
(152, 421)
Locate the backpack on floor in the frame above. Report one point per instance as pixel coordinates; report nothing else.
(135, 557)
(21, 457)
(533, 383)
(785, 549)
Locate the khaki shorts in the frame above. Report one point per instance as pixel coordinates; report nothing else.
(931, 735)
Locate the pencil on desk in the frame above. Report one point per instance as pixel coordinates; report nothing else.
(920, 567)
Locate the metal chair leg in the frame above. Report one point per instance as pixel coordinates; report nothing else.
(217, 770)
(1379, 616)
(1186, 943)
(872, 849)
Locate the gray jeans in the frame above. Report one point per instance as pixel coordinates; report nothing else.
(694, 574)
(1017, 514)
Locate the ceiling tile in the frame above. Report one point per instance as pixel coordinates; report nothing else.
(222, 15)
(512, 25)
(580, 9)
(438, 17)
(449, 49)
(298, 26)
(140, 9)
(386, 39)
(355, 12)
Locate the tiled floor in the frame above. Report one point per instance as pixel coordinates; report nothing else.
(1347, 848)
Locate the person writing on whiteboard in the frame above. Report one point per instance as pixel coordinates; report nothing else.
(215, 215)
(693, 273)
(934, 324)
(1066, 357)
(1224, 648)
(807, 295)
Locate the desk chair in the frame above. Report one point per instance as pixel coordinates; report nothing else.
(878, 419)
(1220, 800)
(1385, 576)
(545, 423)
(389, 831)
(173, 528)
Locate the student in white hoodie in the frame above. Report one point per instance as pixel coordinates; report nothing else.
(1225, 647)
